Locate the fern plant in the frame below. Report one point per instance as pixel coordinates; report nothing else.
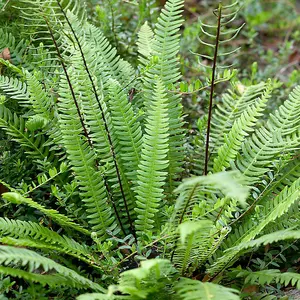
(108, 142)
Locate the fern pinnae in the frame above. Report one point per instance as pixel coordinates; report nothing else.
(240, 129)
(14, 88)
(165, 47)
(99, 211)
(233, 105)
(101, 147)
(12, 255)
(83, 162)
(68, 80)
(287, 116)
(103, 117)
(273, 210)
(268, 276)
(188, 289)
(144, 43)
(15, 127)
(39, 99)
(128, 134)
(30, 230)
(54, 214)
(270, 140)
(151, 174)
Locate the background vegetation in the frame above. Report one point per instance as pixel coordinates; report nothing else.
(53, 245)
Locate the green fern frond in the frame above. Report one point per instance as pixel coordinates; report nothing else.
(187, 254)
(241, 128)
(14, 88)
(232, 106)
(270, 140)
(127, 130)
(39, 99)
(54, 214)
(154, 277)
(273, 237)
(38, 13)
(285, 176)
(128, 137)
(194, 189)
(188, 289)
(107, 57)
(268, 276)
(38, 234)
(165, 47)
(250, 229)
(83, 160)
(33, 261)
(144, 43)
(33, 144)
(287, 117)
(90, 68)
(151, 170)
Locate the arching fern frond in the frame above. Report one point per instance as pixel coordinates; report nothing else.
(89, 65)
(22, 230)
(250, 229)
(196, 189)
(268, 276)
(287, 117)
(241, 127)
(54, 214)
(270, 140)
(273, 237)
(114, 66)
(232, 106)
(33, 261)
(127, 130)
(14, 88)
(188, 289)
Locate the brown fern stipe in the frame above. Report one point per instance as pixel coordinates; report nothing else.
(212, 87)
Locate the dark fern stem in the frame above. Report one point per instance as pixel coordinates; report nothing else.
(61, 60)
(223, 19)
(212, 87)
(80, 116)
(105, 125)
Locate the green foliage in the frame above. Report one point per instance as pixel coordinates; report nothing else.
(268, 276)
(103, 201)
(10, 256)
(151, 175)
(188, 289)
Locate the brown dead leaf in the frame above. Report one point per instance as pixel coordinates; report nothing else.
(3, 189)
(294, 57)
(5, 54)
(251, 289)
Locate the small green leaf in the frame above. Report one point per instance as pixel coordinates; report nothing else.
(198, 84)
(53, 172)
